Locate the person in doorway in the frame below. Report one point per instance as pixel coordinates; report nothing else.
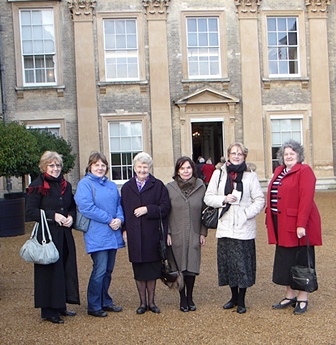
(207, 169)
(186, 234)
(238, 195)
(99, 200)
(143, 198)
(55, 284)
(200, 162)
(291, 215)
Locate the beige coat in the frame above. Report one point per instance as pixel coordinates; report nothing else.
(185, 225)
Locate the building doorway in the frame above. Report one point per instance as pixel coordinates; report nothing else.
(207, 140)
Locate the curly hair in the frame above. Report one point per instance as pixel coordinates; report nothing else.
(144, 158)
(295, 146)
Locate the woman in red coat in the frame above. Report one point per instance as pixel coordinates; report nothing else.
(292, 214)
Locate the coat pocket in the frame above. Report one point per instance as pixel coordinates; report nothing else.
(291, 219)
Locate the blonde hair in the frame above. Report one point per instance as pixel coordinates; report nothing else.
(241, 146)
(47, 158)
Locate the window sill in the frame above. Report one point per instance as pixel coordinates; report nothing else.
(21, 89)
(103, 85)
(267, 82)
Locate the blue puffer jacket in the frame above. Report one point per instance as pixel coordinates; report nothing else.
(99, 199)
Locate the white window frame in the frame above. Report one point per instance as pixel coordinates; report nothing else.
(283, 48)
(19, 56)
(284, 118)
(301, 43)
(138, 17)
(202, 52)
(222, 44)
(125, 53)
(123, 164)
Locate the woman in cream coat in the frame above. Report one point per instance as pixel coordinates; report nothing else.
(239, 197)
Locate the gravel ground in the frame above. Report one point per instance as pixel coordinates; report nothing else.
(210, 324)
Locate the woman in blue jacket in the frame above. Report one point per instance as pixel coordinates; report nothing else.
(98, 199)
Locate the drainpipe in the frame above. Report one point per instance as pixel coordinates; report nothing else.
(2, 81)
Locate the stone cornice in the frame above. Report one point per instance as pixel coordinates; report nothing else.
(317, 8)
(156, 9)
(82, 9)
(247, 8)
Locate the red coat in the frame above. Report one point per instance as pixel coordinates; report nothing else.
(296, 207)
(207, 170)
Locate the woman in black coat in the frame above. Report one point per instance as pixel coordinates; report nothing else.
(142, 198)
(55, 284)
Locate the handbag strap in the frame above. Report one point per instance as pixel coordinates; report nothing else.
(309, 259)
(161, 224)
(45, 226)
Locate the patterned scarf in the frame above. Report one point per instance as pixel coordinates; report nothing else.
(186, 186)
(47, 179)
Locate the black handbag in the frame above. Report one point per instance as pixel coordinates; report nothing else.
(170, 272)
(210, 216)
(304, 277)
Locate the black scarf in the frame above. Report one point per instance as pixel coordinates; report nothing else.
(234, 174)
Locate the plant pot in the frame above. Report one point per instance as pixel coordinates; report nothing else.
(12, 217)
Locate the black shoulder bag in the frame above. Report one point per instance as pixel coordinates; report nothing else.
(304, 277)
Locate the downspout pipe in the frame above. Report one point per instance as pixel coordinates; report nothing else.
(2, 80)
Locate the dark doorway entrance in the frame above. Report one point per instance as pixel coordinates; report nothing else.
(207, 140)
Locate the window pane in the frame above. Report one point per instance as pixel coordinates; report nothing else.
(282, 35)
(130, 139)
(202, 35)
(121, 43)
(38, 39)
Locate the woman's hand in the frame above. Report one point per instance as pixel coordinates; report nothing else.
(230, 198)
(140, 211)
(115, 224)
(202, 240)
(125, 236)
(169, 240)
(300, 231)
(60, 219)
(68, 221)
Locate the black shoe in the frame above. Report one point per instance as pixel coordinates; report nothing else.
(141, 310)
(298, 310)
(241, 310)
(98, 313)
(154, 309)
(229, 305)
(114, 308)
(192, 307)
(184, 309)
(68, 313)
(55, 319)
(291, 301)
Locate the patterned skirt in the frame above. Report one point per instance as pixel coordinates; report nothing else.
(236, 262)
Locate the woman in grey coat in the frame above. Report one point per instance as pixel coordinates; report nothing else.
(186, 234)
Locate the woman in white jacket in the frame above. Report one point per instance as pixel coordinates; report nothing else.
(238, 195)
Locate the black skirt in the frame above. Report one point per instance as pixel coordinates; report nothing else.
(285, 258)
(147, 270)
(236, 262)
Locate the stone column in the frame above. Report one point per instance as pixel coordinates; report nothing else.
(251, 82)
(87, 111)
(162, 142)
(322, 155)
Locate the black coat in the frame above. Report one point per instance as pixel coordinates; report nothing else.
(55, 284)
(143, 234)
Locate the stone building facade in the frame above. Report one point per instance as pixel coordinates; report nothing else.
(174, 78)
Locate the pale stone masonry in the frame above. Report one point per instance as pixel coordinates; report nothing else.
(178, 113)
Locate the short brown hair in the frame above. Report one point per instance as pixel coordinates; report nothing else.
(94, 157)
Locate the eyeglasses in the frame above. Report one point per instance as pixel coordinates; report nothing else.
(53, 166)
(239, 154)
